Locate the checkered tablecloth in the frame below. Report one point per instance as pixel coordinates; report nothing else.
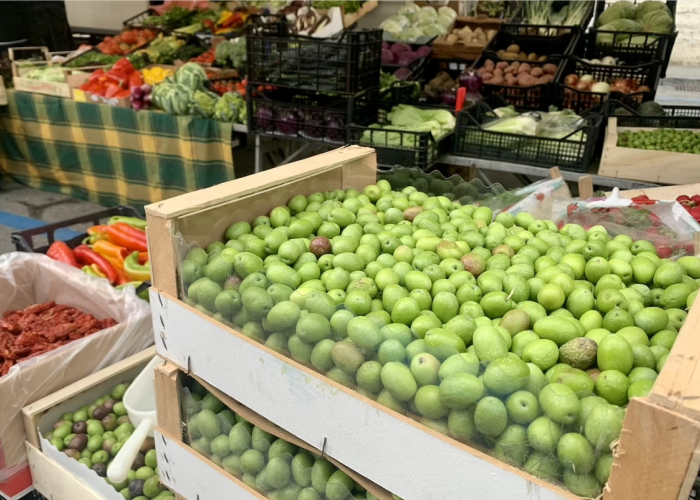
(107, 155)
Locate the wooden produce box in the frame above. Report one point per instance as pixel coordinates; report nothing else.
(55, 475)
(661, 167)
(192, 475)
(84, 96)
(75, 77)
(391, 449)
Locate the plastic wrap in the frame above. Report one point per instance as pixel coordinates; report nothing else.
(665, 224)
(490, 329)
(27, 279)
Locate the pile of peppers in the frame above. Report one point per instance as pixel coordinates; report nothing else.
(116, 251)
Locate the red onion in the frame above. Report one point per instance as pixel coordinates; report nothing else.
(449, 98)
(471, 79)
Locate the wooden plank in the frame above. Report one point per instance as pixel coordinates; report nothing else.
(167, 384)
(55, 482)
(365, 436)
(194, 477)
(267, 426)
(665, 193)
(160, 243)
(678, 385)
(585, 187)
(34, 411)
(229, 191)
(655, 451)
(662, 167)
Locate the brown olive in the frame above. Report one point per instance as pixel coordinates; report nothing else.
(100, 413)
(101, 469)
(139, 461)
(60, 423)
(80, 428)
(79, 442)
(74, 454)
(110, 422)
(148, 445)
(109, 404)
(124, 419)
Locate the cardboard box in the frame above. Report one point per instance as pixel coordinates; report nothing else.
(55, 475)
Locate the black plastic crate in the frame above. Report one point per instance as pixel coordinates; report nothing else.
(308, 116)
(349, 62)
(24, 240)
(530, 39)
(536, 97)
(675, 117)
(399, 147)
(645, 74)
(574, 152)
(635, 47)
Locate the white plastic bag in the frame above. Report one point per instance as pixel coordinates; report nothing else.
(27, 279)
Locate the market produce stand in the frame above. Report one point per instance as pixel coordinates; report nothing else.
(109, 155)
(345, 424)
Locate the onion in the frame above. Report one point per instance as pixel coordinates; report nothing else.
(471, 79)
(609, 61)
(600, 88)
(595, 61)
(449, 98)
(571, 80)
(643, 88)
(136, 92)
(586, 78)
(582, 86)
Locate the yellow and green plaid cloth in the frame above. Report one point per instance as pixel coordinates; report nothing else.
(107, 155)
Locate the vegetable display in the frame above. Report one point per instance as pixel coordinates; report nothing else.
(157, 74)
(516, 73)
(163, 49)
(553, 124)
(525, 337)
(53, 74)
(114, 83)
(91, 58)
(439, 122)
(413, 23)
(42, 328)
(587, 83)
(541, 12)
(652, 16)
(125, 42)
(514, 53)
(94, 434)
(662, 139)
(468, 37)
(492, 9)
(231, 53)
(219, 23)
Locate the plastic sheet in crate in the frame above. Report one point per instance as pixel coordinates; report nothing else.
(348, 63)
(653, 115)
(572, 152)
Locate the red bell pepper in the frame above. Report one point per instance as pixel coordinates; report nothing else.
(122, 94)
(86, 256)
(117, 77)
(123, 66)
(112, 90)
(135, 79)
(61, 252)
(95, 75)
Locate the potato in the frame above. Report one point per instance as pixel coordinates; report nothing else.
(546, 78)
(452, 39)
(502, 65)
(550, 68)
(500, 53)
(526, 80)
(524, 68)
(489, 63)
(542, 58)
(440, 77)
(532, 56)
(537, 72)
(466, 32)
(510, 70)
(509, 56)
(486, 76)
(490, 34)
(511, 80)
(498, 71)
(496, 80)
(479, 32)
(513, 49)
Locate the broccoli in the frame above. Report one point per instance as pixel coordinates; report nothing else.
(203, 104)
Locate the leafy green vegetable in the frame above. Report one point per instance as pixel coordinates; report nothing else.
(191, 75)
(176, 17)
(203, 104)
(229, 108)
(51, 74)
(623, 9)
(92, 58)
(231, 53)
(350, 7)
(649, 6)
(403, 117)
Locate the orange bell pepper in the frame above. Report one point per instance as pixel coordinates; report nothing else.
(109, 249)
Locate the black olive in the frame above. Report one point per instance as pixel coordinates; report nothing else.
(101, 469)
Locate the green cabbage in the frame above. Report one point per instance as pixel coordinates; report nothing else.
(624, 25)
(657, 21)
(203, 104)
(619, 10)
(649, 6)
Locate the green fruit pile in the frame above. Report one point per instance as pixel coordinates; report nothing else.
(94, 434)
(507, 332)
(264, 462)
(662, 139)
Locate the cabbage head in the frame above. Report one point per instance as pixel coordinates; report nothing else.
(657, 21)
(433, 29)
(619, 10)
(624, 25)
(395, 24)
(410, 34)
(446, 11)
(649, 6)
(409, 9)
(425, 16)
(609, 38)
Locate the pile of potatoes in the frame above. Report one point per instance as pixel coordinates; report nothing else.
(516, 74)
(468, 37)
(513, 53)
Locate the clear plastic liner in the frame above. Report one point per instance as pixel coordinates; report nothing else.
(27, 279)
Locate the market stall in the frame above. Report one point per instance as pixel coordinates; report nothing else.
(357, 324)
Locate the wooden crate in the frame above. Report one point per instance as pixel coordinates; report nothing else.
(192, 475)
(318, 410)
(661, 167)
(54, 475)
(459, 51)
